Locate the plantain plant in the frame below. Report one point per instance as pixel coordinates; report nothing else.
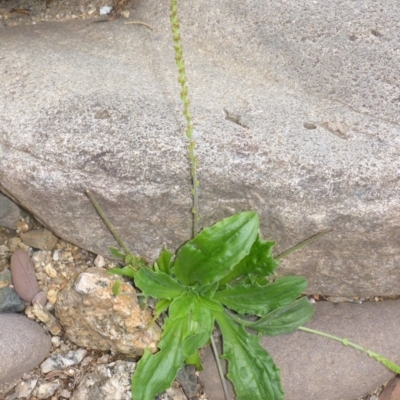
(224, 277)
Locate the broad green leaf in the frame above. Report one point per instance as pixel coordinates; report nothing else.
(181, 338)
(259, 300)
(158, 284)
(164, 261)
(211, 304)
(116, 288)
(250, 368)
(285, 319)
(195, 360)
(116, 253)
(259, 262)
(156, 372)
(207, 290)
(201, 320)
(180, 306)
(201, 327)
(125, 271)
(214, 252)
(161, 306)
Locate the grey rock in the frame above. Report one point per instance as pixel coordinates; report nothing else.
(41, 239)
(24, 389)
(94, 318)
(45, 390)
(10, 213)
(188, 379)
(315, 368)
(261, 75)
(24, 277)
(45, 316)
(173, 393)
(62, 361)
(10, 302)
(24, 342)
(107, 382)
(9, 299)
(66, 394)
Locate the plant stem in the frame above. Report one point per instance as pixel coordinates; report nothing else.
(186, 111)
(376, 356)
(304, 243)
(219, 366)
(107, 222)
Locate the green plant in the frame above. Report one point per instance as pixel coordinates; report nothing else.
(222, 276)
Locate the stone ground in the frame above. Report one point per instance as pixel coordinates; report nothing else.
(17, 12)
(54, 268)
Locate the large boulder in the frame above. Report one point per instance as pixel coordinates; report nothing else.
(296, 111)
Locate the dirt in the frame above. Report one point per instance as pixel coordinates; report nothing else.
(30, 12)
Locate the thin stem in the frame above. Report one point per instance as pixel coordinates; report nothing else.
(186, 110)
(138, 23)
(376, 356)
(219, 366)
(107, 222)
(304, 243)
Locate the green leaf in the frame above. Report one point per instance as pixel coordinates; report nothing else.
(207, 290)
(125, 271)
(180, 306)
(195, 360)
(201, 327)
(161, 306)
(259, 300)
(211, 304)
(201, 320)
(181, 338)
(116, 253)
(164, 261)
(285, 319)
(259, 262)
(134, 261)
(251, 369)
(116, 288)
(158, 284)
(155, 372)
(216, 250)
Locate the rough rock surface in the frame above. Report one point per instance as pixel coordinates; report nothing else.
(113, 381)
(315, 368)
(96, 319)
(23, 346)
(9, 299)
(296, 109)
(10, 213)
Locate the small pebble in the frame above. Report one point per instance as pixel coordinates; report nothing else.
(50, 271)
(65, 393)
(105, 10)
(23, 276)
(56, 255)
(86, 361)
(62, 361)
(103, 359)
(52, 296)
(125, 14)
(24, 389)
(56, 340)
(99, 261)
(47, 389)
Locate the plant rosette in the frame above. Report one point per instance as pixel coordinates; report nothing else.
(220, 276)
